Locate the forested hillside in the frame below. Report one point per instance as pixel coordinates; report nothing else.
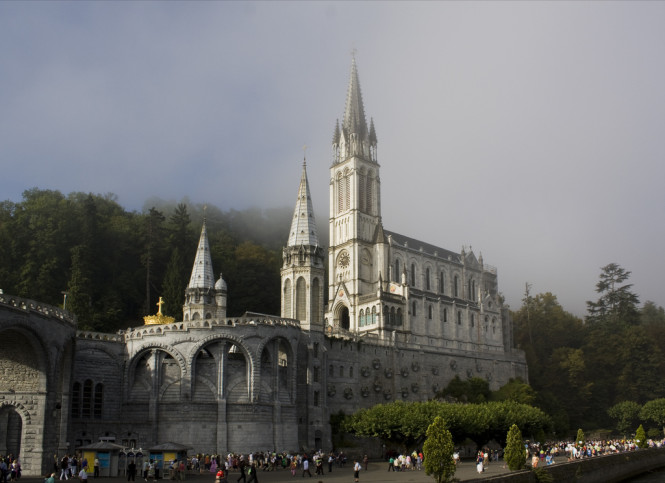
(580, 368)
(114, 264)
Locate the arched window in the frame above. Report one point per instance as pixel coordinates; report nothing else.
(361, 321)
(344, 321)
(427, 285)
(351, 371)
(459, 317)
(399, 316)
(301, 299)
(441, 286)
(347, 190)
(473, 320)
(413, 308)
(331, 370)
(445, 315)
(429, 312)
(413, 275)
(373, 315)
(456, 286)
(398, 276)
(393, 316)
(386, 315)
(341, 371)
(287, 298)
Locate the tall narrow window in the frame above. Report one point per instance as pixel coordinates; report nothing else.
(369, 203)
(429, 312)
(287, 299)
(316, 305)
(459, 317)
(99, 399)
(398, 276)
(441, 289)
(361, 190)
(76, 400)
(340, 193)
(301, 299)
(413, 308)
(347, 191)
(445, 315)
(398, 316)
(361, 322)
(373, 315)
(86, 403)
(427, 284)
(413, 275)
(456, 286)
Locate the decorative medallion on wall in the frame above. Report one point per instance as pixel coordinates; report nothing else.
(435, 370)
(364, 371)
(387, 394)
(348, 393)
(415, 387)
(377, 386)
(435, 388)
(405, 392)
(404, 371)
(389, 372)
(376, 364)
(488, 376)
(331, 390)
(453, 364)
(415, 367)
(469, 373)
(364, 391)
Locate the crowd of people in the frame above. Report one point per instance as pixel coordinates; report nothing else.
(10, 468)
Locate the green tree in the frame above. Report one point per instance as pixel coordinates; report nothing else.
(652, 314)
(474, 390)
(625, 413)
(580, 438)
(617, 303)
(640, 437)
(654, 411)
(514, 455)
(438, 452)
(173, 287)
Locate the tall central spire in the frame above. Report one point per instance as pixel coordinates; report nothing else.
(354, 115)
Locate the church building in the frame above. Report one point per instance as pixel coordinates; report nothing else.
(400, 319)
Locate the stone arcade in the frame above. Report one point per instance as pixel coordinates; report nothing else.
(403, 317)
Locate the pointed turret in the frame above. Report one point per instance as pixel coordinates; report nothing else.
(202, 274)
(303, 226)
(302, 264)
(204, 298)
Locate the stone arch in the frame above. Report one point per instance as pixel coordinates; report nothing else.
(342, 317)
(226, 353)
(277, 370)
(134, 374)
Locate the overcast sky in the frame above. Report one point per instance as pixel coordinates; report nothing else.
(531, 131)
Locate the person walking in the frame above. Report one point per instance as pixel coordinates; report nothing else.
(242, 476)
(305, 467)
(253, 474)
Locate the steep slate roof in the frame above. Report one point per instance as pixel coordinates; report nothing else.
(202, 275)
(414, 244)
(303, 226)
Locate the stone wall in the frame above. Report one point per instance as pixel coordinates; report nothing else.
(613, 468)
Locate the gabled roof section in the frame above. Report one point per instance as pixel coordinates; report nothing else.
(414, 244)
(303, 226)
(202, 274)
(354, 114)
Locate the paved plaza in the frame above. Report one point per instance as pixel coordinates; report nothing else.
(377, 472)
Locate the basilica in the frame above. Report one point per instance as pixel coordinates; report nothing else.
(395, 320)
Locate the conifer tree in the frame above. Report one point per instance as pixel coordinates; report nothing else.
(640, 437)
(581, 439)
(438, 452)
(514, 455)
